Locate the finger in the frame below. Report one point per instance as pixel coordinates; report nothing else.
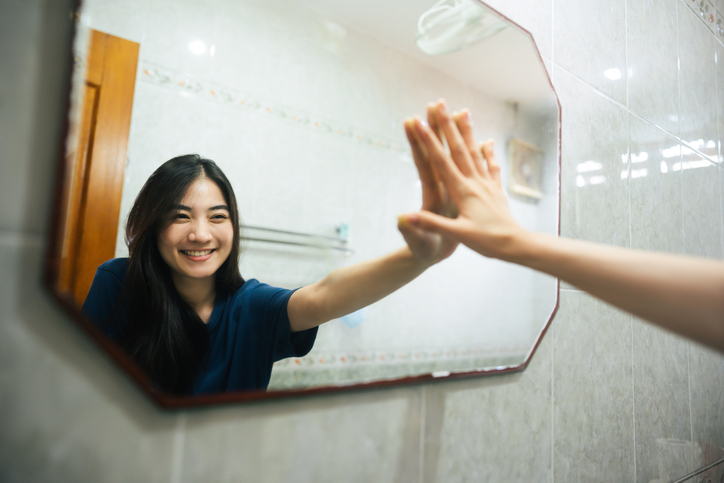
(433, 122)
(443, 165)
(431, 222)
(487, 150)
(414, 237)
(431, 189)
(458, 150)
(464, 123)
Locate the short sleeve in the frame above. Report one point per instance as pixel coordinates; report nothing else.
(272, 302)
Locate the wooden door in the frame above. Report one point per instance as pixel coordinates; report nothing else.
(96, 162)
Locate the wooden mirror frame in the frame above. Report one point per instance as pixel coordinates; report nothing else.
(67, 300)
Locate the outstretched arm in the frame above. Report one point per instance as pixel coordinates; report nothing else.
(350, 288)
(682, 294)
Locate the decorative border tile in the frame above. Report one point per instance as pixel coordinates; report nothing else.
(713, 19)
(372, 358)
(177, 81)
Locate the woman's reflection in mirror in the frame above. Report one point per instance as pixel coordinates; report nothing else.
(180, 308)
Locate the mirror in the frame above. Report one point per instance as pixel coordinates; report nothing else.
(302, 107)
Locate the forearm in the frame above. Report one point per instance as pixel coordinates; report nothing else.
(350, 288)
(682, 294)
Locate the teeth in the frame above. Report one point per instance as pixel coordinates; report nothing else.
(197, 253)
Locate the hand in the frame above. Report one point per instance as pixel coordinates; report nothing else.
(469, 176)
(428, 246)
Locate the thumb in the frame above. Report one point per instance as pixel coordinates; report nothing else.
(428, 221)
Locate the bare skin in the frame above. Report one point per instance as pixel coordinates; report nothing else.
(348, 289)
(682, 294)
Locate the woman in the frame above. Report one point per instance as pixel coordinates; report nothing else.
(180, 308)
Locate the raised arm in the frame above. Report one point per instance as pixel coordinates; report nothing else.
(682, 294)
(350, 288)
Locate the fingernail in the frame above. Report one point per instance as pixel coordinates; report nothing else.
(467, 116)
(406, 220)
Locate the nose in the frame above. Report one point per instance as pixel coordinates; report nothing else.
(200, 232)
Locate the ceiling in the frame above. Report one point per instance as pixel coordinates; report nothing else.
(506, 66)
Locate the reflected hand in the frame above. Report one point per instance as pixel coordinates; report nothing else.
(469, 175)
(428, 246)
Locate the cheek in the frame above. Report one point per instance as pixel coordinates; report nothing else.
(167, 243)
(226, 235)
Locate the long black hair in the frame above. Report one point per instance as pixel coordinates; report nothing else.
(164, 335)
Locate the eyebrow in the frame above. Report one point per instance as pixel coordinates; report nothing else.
(213, 208)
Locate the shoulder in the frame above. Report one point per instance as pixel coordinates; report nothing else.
(257, 295)
(115, 266)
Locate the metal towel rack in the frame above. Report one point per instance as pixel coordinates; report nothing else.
(338, 243)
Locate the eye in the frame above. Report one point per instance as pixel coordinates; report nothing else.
(180, 216)
(219, 217)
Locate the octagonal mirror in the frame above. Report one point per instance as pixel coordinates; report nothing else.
(301, 104)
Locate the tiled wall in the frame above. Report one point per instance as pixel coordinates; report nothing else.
(606, 397)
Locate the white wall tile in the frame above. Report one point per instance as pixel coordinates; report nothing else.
(661, 402)
(68, 414)
(467, 421)
(697, 81)
(589, 40)
(702, 208)
(312, 440)
(706, 369)
(653, 91)
(656, 189)
(593, 420)
(594, 197)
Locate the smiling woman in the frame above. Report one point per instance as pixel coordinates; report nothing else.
(179, 307)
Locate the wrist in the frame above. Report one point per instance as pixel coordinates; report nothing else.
(415, 262)
(521, 246)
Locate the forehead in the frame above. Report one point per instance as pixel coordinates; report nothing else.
(203, 193)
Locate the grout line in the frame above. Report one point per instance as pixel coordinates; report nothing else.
(553, 406)
(721, 213)
(691, 416)
(630, 243)
(553, 16)
(625, 43)
(179, 442)
(633, 395)
(552, 329)
(421, 459)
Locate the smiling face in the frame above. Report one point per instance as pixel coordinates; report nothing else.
(200, 237)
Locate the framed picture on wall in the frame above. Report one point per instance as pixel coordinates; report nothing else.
(526, 169)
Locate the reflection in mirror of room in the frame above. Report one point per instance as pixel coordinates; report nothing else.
(304, 114)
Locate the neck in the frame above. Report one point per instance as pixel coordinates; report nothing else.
(199, 294)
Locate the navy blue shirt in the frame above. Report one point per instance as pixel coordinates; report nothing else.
(248, 330)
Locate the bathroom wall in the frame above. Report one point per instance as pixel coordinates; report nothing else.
(605, 398)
